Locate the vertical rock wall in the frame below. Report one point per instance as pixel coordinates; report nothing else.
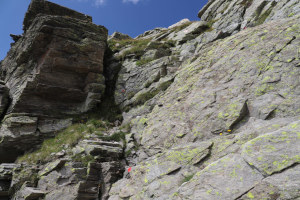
(53, 72)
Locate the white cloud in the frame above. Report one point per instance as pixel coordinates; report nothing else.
(99, 2)
(132, 1)
(94, 2)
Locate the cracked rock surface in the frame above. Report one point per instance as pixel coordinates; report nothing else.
(52, 72)
(203, 110)
(241, 94)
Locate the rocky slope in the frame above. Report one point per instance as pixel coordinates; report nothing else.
(210, 109)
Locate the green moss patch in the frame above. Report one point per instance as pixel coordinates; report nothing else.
(187, 178)
(143, 97)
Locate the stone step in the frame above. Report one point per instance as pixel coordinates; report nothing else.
(97, 141)
(6, 170)
(85, 196)
(90, 187)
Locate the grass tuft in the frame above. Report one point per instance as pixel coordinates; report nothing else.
(181, 27)
(137, 46)
(187, 178)
(67, 138)
(84, 159)
(143, 61)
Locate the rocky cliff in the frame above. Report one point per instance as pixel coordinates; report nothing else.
(210, 109)
(53, 71)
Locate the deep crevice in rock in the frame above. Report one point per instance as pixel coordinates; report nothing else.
(271, 115)
(108, 108)
(242, 119)
(244, 193)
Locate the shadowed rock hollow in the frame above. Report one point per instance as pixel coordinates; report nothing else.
(210, 109)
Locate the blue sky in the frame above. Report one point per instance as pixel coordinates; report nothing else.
(132, 17)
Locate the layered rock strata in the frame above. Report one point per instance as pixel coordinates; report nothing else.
(53, 72)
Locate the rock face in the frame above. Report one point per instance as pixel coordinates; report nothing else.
(242, 95)
(180, 23)
(211, 109)
(52, 72)
(234, 97)
(118, 36)
(232, 16)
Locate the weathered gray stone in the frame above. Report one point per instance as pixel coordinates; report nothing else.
(284, 185)
(214, 116)
(66, 192)
(53, 72)
(285, 9)
(157, 172)
(132, 90)
(155, 54)
(111, 172)
(118, 36)
(151, 33)
(52, 166)
(22, 127)
(273, 152)
(190, 32)
(222, 95)
(53, 125)
(6, 171)
(228, 178)
(180, 23)
(48, 8)
(29, 193)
